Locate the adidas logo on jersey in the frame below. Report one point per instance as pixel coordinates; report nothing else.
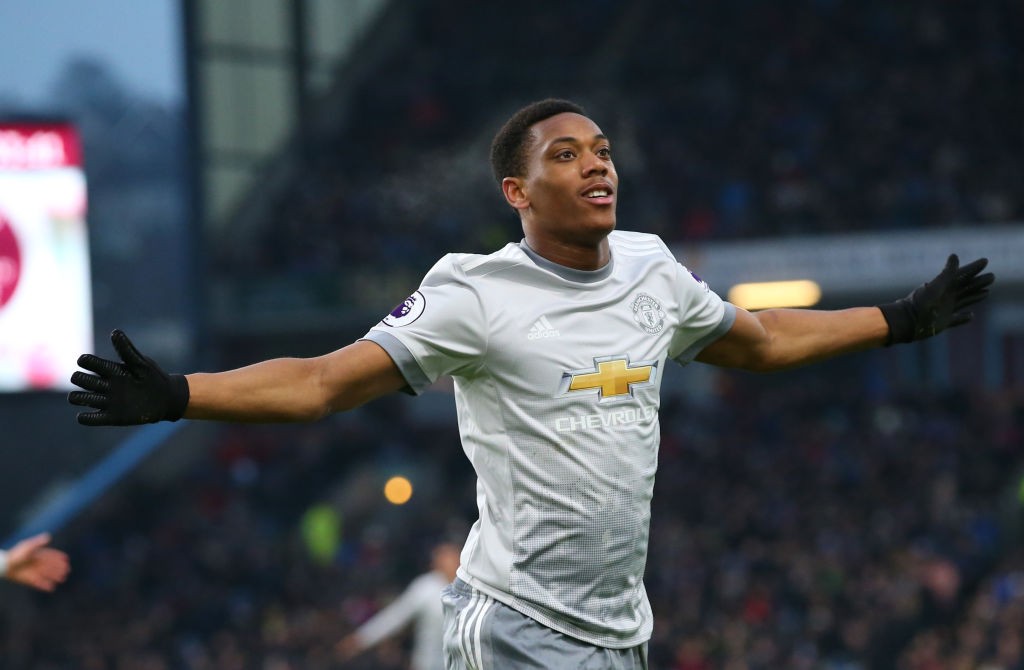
(542, 329)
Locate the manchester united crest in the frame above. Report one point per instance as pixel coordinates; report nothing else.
(648, 313)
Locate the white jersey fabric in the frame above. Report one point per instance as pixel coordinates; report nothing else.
(420, 602)
(557, 375)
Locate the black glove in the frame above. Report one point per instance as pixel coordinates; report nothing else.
(939, 304)
(129, 393)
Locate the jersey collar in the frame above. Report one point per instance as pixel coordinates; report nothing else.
(570, 274)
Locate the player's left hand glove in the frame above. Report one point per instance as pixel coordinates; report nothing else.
(938, 304)
(129, 393)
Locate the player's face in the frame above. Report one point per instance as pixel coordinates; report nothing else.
(570, 187)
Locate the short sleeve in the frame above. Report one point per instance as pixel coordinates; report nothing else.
(438, 330)
(704, 316)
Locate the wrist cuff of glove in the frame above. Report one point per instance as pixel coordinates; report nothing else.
(900, 317)
(179, 397)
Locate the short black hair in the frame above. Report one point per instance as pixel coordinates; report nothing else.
(510, 145)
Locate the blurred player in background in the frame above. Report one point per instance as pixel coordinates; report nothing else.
(32, 563)
(418, 604)
(557, 345)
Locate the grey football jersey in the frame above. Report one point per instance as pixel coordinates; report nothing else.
(557, 375)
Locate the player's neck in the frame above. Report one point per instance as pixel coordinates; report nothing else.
(571, 255)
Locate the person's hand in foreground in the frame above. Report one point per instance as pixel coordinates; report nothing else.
(32, 563)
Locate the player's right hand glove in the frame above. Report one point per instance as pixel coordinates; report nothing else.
(128, 393)
(939, 304)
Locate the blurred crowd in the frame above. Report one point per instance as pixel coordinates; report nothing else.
(730, 120)
(822, 526)
(797, 523)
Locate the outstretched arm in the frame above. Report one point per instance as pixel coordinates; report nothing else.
(295, 389)
(136, 390)
(32, 563)
(777, 339)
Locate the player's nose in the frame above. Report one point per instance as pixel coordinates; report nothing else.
(592, 164)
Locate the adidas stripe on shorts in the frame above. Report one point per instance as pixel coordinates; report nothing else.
(481, 633)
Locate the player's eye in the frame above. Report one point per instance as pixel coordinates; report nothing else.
(565, 154)
(604, 152)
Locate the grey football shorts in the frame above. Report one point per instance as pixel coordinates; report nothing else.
(481, 633)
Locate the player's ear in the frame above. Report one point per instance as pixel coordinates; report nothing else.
(515, 194)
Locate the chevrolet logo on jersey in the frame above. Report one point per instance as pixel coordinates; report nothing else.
(612, 377)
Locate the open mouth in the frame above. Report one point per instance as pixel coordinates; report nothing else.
(599, 195)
